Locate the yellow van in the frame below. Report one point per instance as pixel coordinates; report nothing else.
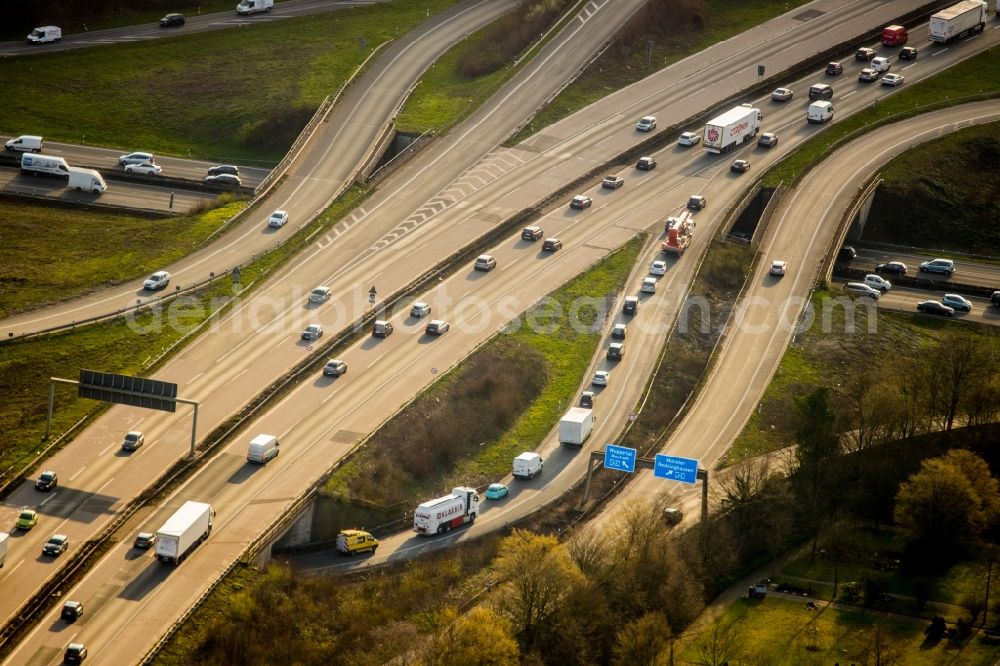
(350, 542)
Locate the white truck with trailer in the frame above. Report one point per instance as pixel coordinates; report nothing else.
(189, 526)
(86, 180)
(575, 426)
(733, 128)
(965, 18)
(248, 7)
(4, 538)
(440, 515)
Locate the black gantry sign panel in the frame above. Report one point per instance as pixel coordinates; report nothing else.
(128, 390)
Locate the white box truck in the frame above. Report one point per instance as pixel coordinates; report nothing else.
(248, 7)
(45, 34)
(189, 526)
(734, 127)
(4, 538)
(262, 448)
(965, 18)
(86, 180)
(26, 143)
(44, 165)
(575, 426)
(440, 515)
(527, 465)
(819, 112)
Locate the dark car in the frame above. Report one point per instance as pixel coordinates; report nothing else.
(631, 305)
(612, 182)
(892, 268)
(847, 253)
(225, 179)
(645, 164)
(834, 68)
(864, 54)
(908, 53)
(172, 21)
(587, 399)
(144, 540)
(935, 308)
(47, 481)
(75, 653)
(532, 233)
(72, 610)
(219, 169)
(56, 545)
(551, 244)
(697, 202)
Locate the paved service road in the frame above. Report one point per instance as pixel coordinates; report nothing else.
(194, 23)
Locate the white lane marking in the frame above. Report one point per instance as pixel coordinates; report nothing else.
(80, 471)
(47, 499)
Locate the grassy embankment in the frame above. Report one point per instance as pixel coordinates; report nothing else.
(197, 99)
(25, 367)
(631, 58)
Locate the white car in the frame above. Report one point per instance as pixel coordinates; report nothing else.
(689, 139)
(648, 286)
(334, 368)
(144, 169)
(782, 94)
(420, 309)
(646, 124)
(957, 302)
(658, 267)
(437, 327)
(778, 268)
(892, 79)
(601, 378)
(319, 295)
(878, 282)
(136, 158)
(278, 219)
(157, 280)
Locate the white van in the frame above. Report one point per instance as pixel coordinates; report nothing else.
(527, 465)
(86, 180)
(44, 165)
(26, 143)
(45, 34)
(262, 449)
(819, 112)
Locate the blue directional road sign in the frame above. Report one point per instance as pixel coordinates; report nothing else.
(684, 470)
(620, 458)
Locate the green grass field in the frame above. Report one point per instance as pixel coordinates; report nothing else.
(54, 254)
(229, 95)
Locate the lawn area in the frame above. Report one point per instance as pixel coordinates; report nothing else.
(834, 354)
(485, 455)
(26, 366)
(53, 254)
(780, 631)
(976, 77)
(632, 59)
(197, 98)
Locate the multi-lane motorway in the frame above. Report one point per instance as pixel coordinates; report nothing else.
(321, 420)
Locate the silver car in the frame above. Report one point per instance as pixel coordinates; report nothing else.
(137, 158)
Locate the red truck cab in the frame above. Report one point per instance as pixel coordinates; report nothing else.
(894, 35)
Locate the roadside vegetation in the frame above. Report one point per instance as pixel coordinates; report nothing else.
(974, 78)
(464, 77)
(941, 373)
(514, 389)
(54, 254)
(659, 35)
(27, 365)
(925, 200)
(196, 98)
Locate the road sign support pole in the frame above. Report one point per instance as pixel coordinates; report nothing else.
(703, 477)
(52, 400)
(194, 430)
(597, 456)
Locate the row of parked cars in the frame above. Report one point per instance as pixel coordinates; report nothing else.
(144, 163)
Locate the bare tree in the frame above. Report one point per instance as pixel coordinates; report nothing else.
(719, 645)
(880, 650)
(962, 360)
(591, 551)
